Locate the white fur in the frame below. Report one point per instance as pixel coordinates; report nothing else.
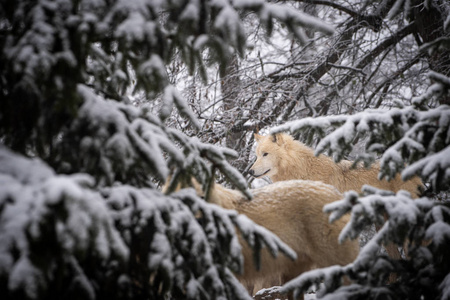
(282, 158)
(293, 211)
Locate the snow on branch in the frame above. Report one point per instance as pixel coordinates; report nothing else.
(180, 244)
(311, 127)
(185, 241)
(186, 25)
(217, 157)
(228, 25)
(400, 209)
(295, 17)
(403, 135)
(419, 225)
(47, 225)
(434, 168)
(171, 96)
(176, 248)
(227, 222)
(397, 8)
(440, 86)
(330, 277)
(118, 142)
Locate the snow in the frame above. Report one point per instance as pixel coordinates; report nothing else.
(154, 70)
(409, 121)
(191, 12)
(171, 95)
(245, 4)
(438, 232)
(260, 182)
(192, 242)
(161, 252)
(121, 134)
(447, 23)
(288, 14)
(133, 28)
(429, 167)
(267, 293)
(400, 208)
(14, 166)
(228, 24)
(318, 123)
(445, 287)
(26, 276)
(200, 42)
(218, 157)
(29, 204)
(100, 111)
(39, 206)
(315, 277)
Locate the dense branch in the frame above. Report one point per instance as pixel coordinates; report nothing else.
(386, 83)
(367, 59)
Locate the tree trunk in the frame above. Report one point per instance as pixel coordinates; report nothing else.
(235, 137)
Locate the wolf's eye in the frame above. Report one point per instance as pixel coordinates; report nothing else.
(265, 154)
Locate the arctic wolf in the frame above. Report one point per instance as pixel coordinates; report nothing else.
(280, 157)
(293, 211)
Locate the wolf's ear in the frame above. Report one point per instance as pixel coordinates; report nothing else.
(278, 138)
(257, 137)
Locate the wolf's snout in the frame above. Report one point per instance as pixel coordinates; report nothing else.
(251, 172)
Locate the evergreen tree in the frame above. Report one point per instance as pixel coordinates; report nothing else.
(81, 214)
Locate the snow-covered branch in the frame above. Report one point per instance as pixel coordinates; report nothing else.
(402, 135)
(54, 231)
(419, 225)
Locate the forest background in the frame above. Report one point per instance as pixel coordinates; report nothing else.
(102, 99)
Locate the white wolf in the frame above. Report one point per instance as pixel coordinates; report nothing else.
(293, 211)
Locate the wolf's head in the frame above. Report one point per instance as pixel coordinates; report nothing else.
(269, 152)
